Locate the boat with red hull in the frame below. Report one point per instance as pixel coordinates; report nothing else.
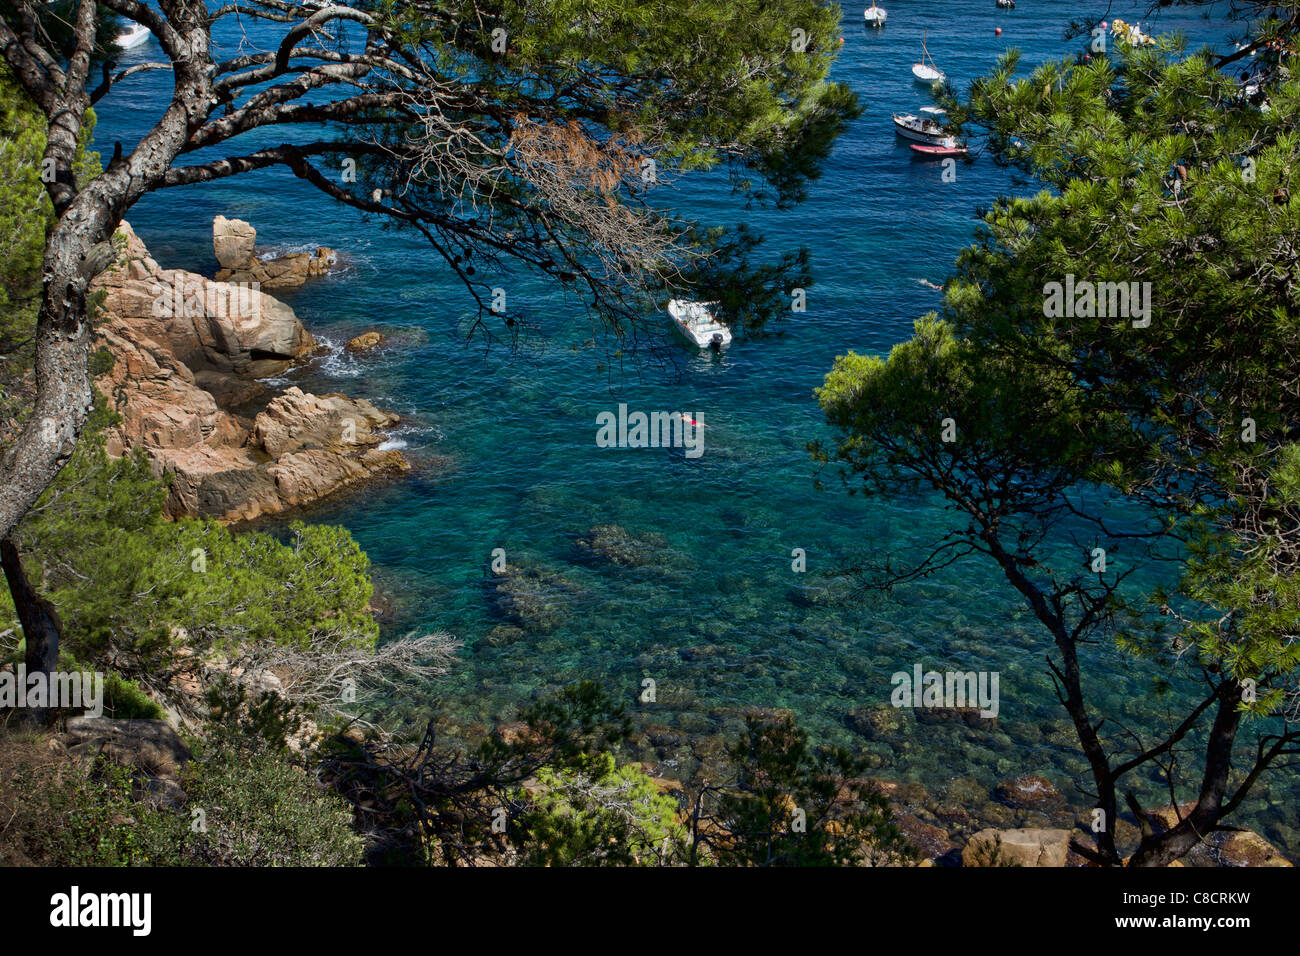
(927, 149)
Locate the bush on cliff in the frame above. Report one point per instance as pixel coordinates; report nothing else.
(134, 588)
(245, 806)
(599, 814)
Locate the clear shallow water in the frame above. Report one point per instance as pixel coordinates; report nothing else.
(504, 443)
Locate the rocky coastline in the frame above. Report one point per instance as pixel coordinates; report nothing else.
(188, 354)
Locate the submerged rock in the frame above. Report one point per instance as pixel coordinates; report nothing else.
(502, 635)
(364, 342)
(535, 598)
(970, 716)
(1029, 792)
(835, 591)
(613, 544)
(876, 722)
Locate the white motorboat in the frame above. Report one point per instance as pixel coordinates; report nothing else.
(924, 70)
(133, 37)
(874, 16)
(926, 128)
(699, 324)
(1006, 4)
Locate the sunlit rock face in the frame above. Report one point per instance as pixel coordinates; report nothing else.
(187, 352)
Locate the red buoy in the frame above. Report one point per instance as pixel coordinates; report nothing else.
(997, 32)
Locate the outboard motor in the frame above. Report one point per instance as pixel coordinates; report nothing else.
(715, 343)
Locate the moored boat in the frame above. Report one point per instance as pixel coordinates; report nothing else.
(934, 151)
(697, 323)
(874, 16)
(927, 128)
(133, 37)
(924, 70)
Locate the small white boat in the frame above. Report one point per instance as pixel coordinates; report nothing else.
(924, 70)
(1006, 4)
(874, 16)
(698, 323)
(133, 37)
(927, 74)
(927, 128)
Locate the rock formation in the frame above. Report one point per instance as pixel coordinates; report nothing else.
(186, 355)
(1025, 847)
(235, 244)
(364, 342)
(151, 748)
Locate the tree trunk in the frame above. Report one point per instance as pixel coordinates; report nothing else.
(41, 626)
(87, 217)
(1162, 849)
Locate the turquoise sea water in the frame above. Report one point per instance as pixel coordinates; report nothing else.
(504, 443)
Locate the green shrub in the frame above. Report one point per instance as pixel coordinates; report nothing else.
(259, 809)
(600, 815)
(53, 812)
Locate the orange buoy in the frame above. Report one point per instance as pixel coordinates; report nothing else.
(998, 32)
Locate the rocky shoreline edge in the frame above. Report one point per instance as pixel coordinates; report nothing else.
(187, 356)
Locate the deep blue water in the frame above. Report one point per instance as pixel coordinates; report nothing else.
(506, 456)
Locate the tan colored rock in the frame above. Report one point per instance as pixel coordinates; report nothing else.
(235, 244)
(167, 408)
(304, 476)
(667, 785)
(364, 342)
(221, 482)
(229, 327)
(1166, 818)
(1223, 847)
(1027, 847)
(233, 241)
(186, 352)
(295, 420)
(1248, 848)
